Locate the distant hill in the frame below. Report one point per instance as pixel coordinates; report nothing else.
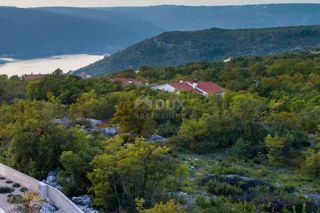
(28, 33)
(176, 48)
(188, 18)
(36, 32)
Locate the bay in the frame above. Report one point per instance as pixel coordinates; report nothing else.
(10, 67)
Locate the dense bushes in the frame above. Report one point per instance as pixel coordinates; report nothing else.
(269, 115)
(121, 175)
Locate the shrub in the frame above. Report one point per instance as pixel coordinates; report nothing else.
(14, 199)
(23, 189)
(167, 129)
(222, 188)
(240, 148)
(170, 207)
(311, 165)
(9, 181)
(2, 178)
(16, 185)
(6, 190)
(203, 202)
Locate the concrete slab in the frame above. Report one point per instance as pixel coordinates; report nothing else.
(5, 206)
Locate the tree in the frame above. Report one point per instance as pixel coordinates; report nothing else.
(85, 105)
(275, 147)
(311, 165)
(134, 119)
(75, 162)
(123, 174)
(35, 147)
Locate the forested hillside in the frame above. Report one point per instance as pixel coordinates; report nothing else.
(38, 32)
(255, 149)
(176, 48)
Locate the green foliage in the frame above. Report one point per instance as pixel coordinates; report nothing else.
(169, 207)
(209, 45)
(241, 148)
(11, 88)
(275, 145)
(16, 185)
(312, 163)
(85, 105)
(35, 146)
(23, 189)
(134, 119)
(224, 205)
(167, 129)
(6, 190)
(222, 188)
(75, 164)
(67, 87)
(203, 202)
(14, 199)
(123, 174)
(270, 111)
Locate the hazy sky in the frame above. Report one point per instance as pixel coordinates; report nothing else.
(100, 3)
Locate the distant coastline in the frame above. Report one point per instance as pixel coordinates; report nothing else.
(10, 66)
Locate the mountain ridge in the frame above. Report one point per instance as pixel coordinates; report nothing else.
(175, 48)
(41, 32)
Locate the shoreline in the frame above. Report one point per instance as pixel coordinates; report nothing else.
(11, 67)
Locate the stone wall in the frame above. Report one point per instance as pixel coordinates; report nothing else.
(45, 191)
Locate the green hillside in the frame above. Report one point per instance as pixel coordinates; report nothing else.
(255, 149)
(174, 48)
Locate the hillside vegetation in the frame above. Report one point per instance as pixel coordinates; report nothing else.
(176, 48)
(255, 149)
(39, 32)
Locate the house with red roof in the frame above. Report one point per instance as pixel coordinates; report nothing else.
(33, 77)
(204, 88)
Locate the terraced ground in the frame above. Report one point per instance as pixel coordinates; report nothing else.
(219, 175)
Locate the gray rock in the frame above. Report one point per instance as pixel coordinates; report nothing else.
(315, 198)
(48, 208)
(84, 203)
(157, 138)
(83, 200)
(51, 179)
(63, 121)
(94, 122)
(108, 131)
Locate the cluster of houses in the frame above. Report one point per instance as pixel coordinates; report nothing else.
(200, 87)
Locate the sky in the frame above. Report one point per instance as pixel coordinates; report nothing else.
(109, 3)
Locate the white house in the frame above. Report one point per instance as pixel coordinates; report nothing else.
(204, 88)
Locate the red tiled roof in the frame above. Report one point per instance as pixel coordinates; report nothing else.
(210, 87)
(182, 86)
(32, 77)
(200, 87)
